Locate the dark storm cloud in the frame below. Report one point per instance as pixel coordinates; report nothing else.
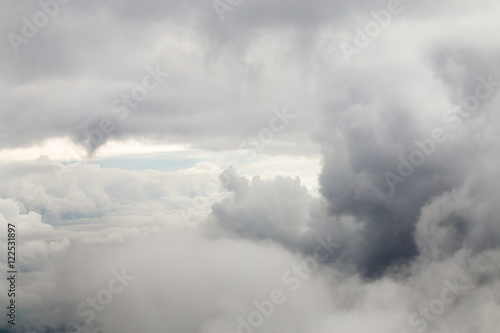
(353, 181)
(359, 153)
(379, 119)
(431, 223)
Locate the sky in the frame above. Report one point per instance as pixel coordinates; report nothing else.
(225, 166)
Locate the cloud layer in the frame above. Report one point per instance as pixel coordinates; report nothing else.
(402, 236)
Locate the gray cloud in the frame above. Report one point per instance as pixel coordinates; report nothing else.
(401, 241)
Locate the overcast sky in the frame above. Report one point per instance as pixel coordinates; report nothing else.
(251, 166)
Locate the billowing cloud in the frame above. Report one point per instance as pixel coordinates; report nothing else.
(399, 97)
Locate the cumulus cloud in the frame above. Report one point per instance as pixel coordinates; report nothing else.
(261, 209)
